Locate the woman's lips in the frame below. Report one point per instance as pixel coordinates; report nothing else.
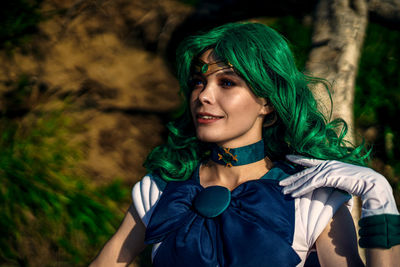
(205, 118)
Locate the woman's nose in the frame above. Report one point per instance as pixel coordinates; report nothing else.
(206, 95)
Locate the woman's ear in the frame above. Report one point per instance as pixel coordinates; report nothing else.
(267, 107)
(269, 113)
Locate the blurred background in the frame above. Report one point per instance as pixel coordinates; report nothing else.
(86, 87)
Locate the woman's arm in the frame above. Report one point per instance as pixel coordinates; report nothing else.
(383, 257)
(380, 219)
(337, 244)
(125, 244)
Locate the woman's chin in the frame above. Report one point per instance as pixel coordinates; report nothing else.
(209, 138)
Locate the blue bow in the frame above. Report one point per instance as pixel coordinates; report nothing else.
(255, 228)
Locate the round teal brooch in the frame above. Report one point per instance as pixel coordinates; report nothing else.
(212, 201)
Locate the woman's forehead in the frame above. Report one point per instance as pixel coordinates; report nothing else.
(208, 63)
(209, 56)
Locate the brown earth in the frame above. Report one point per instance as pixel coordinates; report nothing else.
(103, 58)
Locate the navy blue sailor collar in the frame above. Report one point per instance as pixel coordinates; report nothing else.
(217, 227)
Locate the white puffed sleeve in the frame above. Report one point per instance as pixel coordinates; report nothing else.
(313, 212)
(145, 195)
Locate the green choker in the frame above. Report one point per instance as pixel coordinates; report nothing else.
(238, 156)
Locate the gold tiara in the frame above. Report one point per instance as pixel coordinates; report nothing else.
(201, 67)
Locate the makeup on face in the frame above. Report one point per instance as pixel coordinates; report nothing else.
(224, 108)
(227, 78)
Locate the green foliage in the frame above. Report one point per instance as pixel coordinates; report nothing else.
(18, 20)
(378, 91)
(298, 35)
(48, 207)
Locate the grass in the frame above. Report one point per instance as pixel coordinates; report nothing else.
(49, 208)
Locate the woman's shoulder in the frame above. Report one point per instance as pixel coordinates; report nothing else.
(152, 179)
(315, 210)
(146, 193)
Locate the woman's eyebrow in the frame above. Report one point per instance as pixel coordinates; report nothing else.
(228, 72)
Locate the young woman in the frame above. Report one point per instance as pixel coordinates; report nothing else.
(224, 192)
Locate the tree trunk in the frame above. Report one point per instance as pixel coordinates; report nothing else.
(386, 11)
(339, 30)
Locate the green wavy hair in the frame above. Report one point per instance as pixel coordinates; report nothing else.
(263, 59)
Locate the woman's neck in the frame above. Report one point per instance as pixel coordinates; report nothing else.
(212, 173)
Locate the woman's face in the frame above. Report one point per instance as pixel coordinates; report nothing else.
(224, 109)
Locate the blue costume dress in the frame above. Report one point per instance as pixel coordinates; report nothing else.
(253, 225)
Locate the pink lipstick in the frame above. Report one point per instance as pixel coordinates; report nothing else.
(205, 118)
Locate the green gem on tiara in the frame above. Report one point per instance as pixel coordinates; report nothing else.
(204, 68)
(201, 67)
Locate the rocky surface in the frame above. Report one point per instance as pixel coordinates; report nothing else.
(103, 58)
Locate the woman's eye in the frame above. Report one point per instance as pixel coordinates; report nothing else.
(227, 83)
(196, 83)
